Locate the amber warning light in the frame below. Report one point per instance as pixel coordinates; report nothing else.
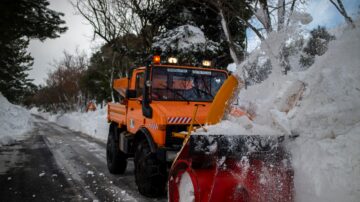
(156, 59)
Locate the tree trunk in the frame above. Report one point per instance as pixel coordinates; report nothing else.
(264, 18)
(112, 77)
(281, 14)
(291, 11)
(234, 55)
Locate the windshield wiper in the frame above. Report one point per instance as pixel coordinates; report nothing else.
(177, 93)
(203, 91)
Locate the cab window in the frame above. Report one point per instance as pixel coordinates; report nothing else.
(180, 84)
(139, 85)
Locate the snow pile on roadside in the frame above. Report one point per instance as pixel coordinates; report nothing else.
(46, 115)
(92, 123)
(15, 121)
(322, 105)
(326, 156)
(327, 169)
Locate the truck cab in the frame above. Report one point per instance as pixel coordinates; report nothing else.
(158, 101)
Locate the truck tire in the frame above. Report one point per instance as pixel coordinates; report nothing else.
(116, 159)
(150, 173)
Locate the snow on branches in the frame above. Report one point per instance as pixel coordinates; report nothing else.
(185, 38)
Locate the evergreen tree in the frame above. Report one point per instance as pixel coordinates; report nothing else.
(115, 59)
(13, 77)
(317, 45)
(96, 78)
(20, 21)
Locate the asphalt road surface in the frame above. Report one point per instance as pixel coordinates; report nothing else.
(58, 164)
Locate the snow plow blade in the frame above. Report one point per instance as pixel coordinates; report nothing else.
(219, 104)
(232, 168)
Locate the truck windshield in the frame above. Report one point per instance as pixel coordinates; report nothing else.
(176, 84)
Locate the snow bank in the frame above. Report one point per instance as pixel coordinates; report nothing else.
(322, 105)
(327, 169)
(92, 123)
(326, 157)
(15, 121)
(46, 115)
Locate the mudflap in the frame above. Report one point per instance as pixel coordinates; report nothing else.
(232, 168)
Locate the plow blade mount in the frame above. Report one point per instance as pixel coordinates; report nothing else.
(232, 168)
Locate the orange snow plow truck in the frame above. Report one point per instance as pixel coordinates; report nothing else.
(161, 104)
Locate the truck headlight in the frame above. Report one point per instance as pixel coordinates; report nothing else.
(206, 63)
(172, 60)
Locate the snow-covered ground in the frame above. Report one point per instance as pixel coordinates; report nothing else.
(15, 121)
(322, 106)
(92, 123)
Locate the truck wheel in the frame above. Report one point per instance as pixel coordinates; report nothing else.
(116, 159)
(150, 173)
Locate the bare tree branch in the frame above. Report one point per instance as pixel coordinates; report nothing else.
(340, 7)
(263, 15)
(281, 14)
(291, 11)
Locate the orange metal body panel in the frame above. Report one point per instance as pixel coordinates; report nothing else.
(164, 113)
(117, 113)
(120, 85)
(135, 118)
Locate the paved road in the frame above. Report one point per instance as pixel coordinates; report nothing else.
(57, 164)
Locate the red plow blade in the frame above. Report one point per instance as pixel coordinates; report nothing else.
(232, 168)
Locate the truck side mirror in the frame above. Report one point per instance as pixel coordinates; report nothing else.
(130, 93)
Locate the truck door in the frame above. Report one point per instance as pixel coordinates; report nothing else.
(135, 116)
